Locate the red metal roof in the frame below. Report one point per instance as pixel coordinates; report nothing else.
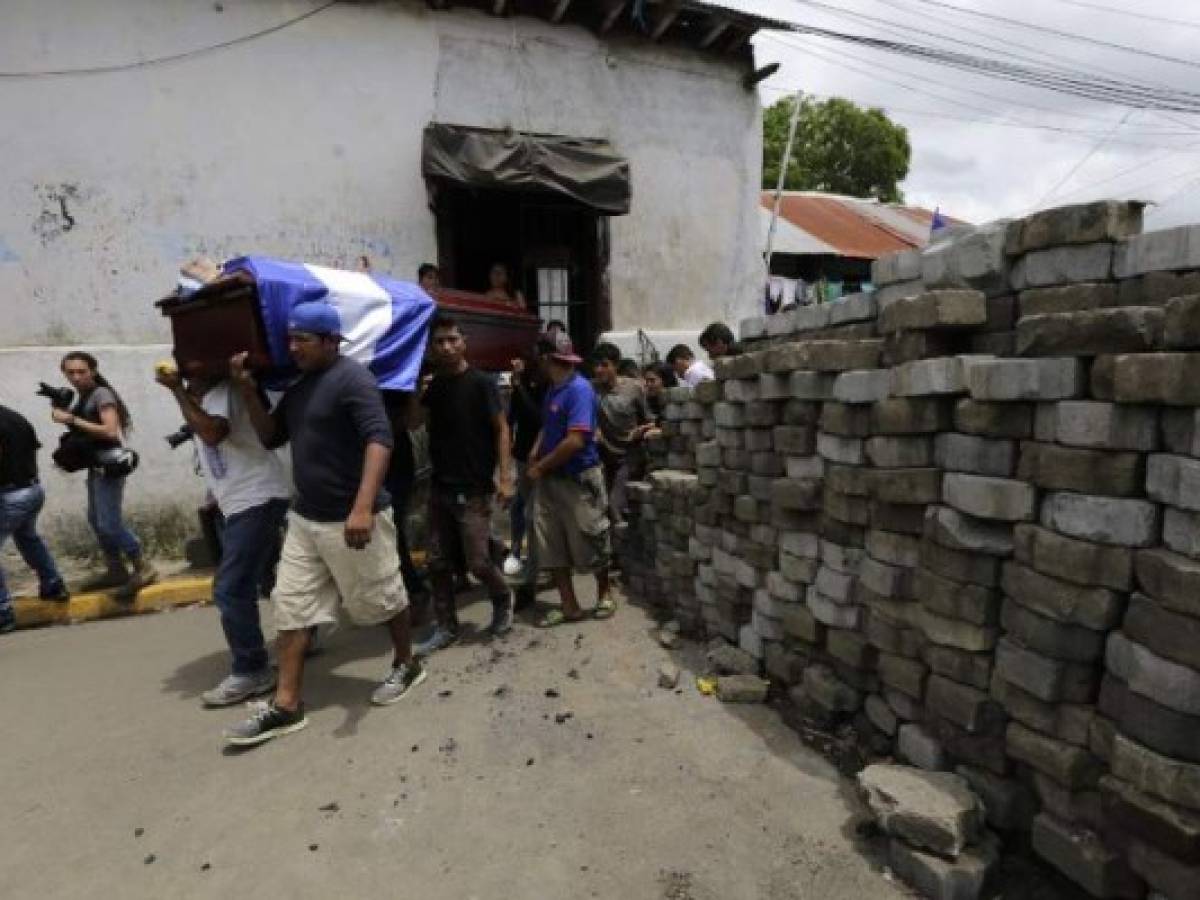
(856, 227)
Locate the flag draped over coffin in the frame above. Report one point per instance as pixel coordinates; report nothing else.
(385, 322)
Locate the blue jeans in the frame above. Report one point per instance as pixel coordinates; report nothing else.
(18, 520)
(248, 541)
(104, 515)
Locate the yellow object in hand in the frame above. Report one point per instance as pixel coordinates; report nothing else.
(165, 367)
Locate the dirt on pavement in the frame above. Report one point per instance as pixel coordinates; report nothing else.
(549, 764)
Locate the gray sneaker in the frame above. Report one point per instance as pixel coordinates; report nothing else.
(439, 640)
(266, 721)
(237, 688)
(396, 686)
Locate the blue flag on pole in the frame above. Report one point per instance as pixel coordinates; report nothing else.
(385, 322)
(939, 222)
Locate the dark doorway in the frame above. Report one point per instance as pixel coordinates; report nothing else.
(555, 248)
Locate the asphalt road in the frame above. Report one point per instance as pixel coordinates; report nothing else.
(547, 765)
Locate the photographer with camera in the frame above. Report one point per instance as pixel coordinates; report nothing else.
(95, 440)
(21, 499)
(251, 489)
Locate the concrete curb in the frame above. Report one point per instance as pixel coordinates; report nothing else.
(173, 592)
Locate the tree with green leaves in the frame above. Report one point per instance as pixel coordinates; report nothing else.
(840, 147)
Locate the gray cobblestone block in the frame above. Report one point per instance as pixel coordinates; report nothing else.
(762, 414)
(782, 324)
(957, 452)
(904, 265)
(906, 707)
(1072, 767)
(1162, 872)
(767, 628)
(998, 420)
(893, 548)
(1174, 480)
(758, 439)
(907, 346)
(955, 599)
(1083, 223)
(853, 308)
(842, 533)
(1123, 329)
(1070, 723)
(844, 560)
(846, 508)
(729, 415)
(1144, 672)
(1063, 265)
(843, 479)
(984, 497)
(1165, 633)
(1117, 473)
(850, 648)
(1106, 520)
(959, 565)
(832, 356)
(1051, 680)
(735, 458)
(826, 689)
(974, 669)
(1069, 298)
(1008, 803)
(1157, 288)
(935, 310)
(1025, 379)
(805, 466)
(806, 546)
(895, 638)
(1048, 637)
(846, 420)
(1093, 424)
(1183, 322)
(954, 530)
(774, 387)
(886, 295)
(811, 385)
(1173, 830)
(1181, 532)
(831, 613)
(1154, 774)
(1096, 608)
(895, 452)
(975, 259)
(812, 318)
(753, 328)
(798, 568)
(840, 449)
(861, 386)
(906, 486)
(969, 708)
(1171, 249)
(743, 365)
(890, 582)
(835, 585)
(957, 633)
(741, 390)
(1158, 727)
(791, 493)
(1172, 379)
(922, 749)
(1077, 561)
(925, 377)
(910, 415)
(904, 674)
(794, 440)
(1181, 431)
(708, 453)
(1083, 857)
(708, 392)
(880, 715)
(1171, 579)
(730, 438)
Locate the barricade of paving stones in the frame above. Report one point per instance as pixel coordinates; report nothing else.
(963, 512)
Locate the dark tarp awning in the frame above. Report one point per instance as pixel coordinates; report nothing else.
(588, 170)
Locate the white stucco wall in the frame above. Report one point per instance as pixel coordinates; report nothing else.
(306, 144)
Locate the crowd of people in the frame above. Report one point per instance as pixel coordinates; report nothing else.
(557, 455)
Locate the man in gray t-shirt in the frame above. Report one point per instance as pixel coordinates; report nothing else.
(340, 548)
(623, 419)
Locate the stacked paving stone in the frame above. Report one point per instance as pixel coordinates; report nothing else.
(964, 513)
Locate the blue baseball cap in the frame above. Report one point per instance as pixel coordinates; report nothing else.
(315, 317)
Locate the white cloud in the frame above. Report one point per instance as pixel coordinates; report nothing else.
(985, 167)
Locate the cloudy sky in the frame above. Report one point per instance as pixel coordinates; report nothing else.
(984, 148)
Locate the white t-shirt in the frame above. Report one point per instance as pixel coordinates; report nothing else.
(240, 472)
(698, 372)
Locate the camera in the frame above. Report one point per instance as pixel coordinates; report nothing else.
(178, 438)
(59, 397)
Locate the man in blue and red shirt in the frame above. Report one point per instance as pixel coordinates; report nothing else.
(571, 524)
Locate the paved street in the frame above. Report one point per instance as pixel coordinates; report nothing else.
(548, 765)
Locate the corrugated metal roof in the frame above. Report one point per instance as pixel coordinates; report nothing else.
(789, 238)
(853, 226)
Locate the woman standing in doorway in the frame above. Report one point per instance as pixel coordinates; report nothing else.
(100, 416)
(500, 286)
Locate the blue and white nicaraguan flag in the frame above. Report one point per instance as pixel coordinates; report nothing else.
(939, 222)
(385, 322)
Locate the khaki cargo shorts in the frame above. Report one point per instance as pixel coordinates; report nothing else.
(316, 569)
(570, 522)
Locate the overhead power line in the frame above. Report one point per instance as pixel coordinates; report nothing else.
(1068, 35)
(1084, 160)
(1147, 17)
(172, 57)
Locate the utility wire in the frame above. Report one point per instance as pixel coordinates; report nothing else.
(1079, 38)
(1133, 15)
(173, 57)
(1084, 160)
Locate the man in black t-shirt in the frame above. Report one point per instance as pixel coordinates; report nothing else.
(21, 499)
(471, 458)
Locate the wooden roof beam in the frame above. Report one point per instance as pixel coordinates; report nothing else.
(665, 19)
(718, 28)
(560, 10)
(611, 14)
